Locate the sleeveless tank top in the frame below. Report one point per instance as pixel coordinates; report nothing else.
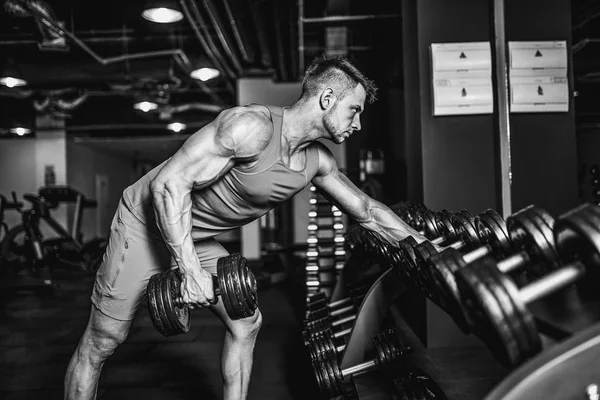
(240, 196)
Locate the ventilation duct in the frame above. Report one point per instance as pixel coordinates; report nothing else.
(52, 38)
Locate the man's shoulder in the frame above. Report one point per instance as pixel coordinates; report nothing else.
(247, 128)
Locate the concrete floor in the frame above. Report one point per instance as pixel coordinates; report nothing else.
(38, 333)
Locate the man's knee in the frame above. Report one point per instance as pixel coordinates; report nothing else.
(248, 327)
(102, 338)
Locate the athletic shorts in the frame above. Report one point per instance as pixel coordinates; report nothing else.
(135, 252)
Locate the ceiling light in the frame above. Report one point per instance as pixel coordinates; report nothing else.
(176, 126)
(145, 106)
(20, 131)
(205, 74)
(11, 81)
(10, 74)
(162, 15)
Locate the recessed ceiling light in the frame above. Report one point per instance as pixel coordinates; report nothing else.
(176, 126)
(20, 131)
(12, 82)
(145, 106)
(205, 74)
(162, 15)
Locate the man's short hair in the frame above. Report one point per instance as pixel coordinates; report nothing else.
(337, 72)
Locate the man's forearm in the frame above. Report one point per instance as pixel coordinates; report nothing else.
(382, 220)
(174, 220)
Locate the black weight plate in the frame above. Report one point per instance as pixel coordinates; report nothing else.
(423, 278)
(530, 231)
(330, 375)
(235, 283)
(577, 235)
(153, 307)
(249, 287)
(407, 252)
(444, 224)
(162, 306)
(523, 320)
(492, 230)
(179, 316)
(427, 222)
(503, 324)
(224, 287)
(443, 267)
(464, 224)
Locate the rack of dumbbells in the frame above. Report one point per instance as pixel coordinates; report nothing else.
(524, 286)
(325, 254)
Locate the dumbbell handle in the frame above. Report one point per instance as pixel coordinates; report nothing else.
(343, 320)
(340, 303)
(513, 262)
(552, 282)
(178, 302)
(477, 253)
(360, 368)
(342, 333)
(341, 311)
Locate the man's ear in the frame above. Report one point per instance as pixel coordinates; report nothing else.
(326, 99)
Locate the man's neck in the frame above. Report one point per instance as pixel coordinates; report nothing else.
(299, 129)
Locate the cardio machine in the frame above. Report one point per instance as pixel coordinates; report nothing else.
(25, 247)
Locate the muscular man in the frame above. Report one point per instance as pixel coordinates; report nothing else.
(230, 172)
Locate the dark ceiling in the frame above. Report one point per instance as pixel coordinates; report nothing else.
(89, 62)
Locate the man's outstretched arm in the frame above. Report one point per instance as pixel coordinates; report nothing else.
(235, 135)
(368, 212)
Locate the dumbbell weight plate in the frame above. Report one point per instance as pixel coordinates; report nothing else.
(447, 296)
(237, 286)
(423, 278)
(576, 235)
(444, 224)
(155, 307)
(426, 220)
(500, 320)
(464, 223)
(169, 318)
(531, 230)
(492, 230)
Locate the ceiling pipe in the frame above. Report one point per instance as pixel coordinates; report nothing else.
(245, 49)
(178, 55)
(209, 5)
(206, 45)
(281, 56)
(263, 42)
(52, 38)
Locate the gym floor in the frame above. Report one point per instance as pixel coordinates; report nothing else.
(38, 333)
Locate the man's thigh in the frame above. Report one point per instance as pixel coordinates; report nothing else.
(209, 251)
(133, 255)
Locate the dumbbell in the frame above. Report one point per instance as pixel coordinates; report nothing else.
(331, 377)
(531, 232)
(234, 283)
(469, 233)
(323, 342)
(336, 336)
(498, 308)
(325, 325)
(328, 313)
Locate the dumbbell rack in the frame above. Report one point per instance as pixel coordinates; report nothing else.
(325, 254)
(559, 317)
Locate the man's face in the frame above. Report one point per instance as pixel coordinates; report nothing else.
(344, 117)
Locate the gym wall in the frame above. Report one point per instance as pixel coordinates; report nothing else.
(456, 155)
(84, 165)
